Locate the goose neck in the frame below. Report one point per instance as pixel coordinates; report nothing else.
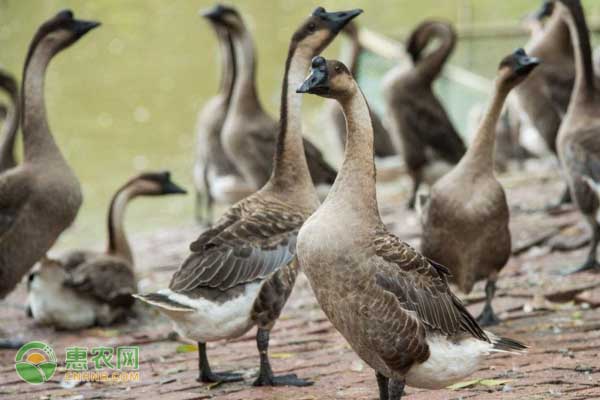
(37, 138)
(480, 155)
(117, 238)
(290, 168)
(584, 90)
(9, 132)
(355, 183)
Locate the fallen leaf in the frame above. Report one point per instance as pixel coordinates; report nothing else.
(282, 356)
(462, 385)
(493, 382)
(357, 366)
(186, 348)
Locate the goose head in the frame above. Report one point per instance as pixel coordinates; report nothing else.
(61, 31)
(328, 78)
(515, 68)
(423, 34)
(154, 184)
(320, 28)
(226, 17)
(545, 11)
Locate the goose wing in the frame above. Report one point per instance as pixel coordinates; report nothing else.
(320, 170)
(15, 188)
(433, 126)
(582, 155)
(421, 287)
(106, 278)
(258, 243)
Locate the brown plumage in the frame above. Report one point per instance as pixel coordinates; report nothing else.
(578, 140)
(384, 147)
(391, 304)
(465, 223)
(84, 288)
(544, 97)
(10, 128)
(241, 272)
(41, 197)
(250, 134)
(215, 176)
(428, 137)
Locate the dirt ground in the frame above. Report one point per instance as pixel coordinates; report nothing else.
(555, 315)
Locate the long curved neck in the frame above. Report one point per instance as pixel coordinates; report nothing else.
(290, 168)
(430, 66)
(355, 182)
(584, 89)
(244, 96)
(556, 35)
(480, 155)
(228, 68)
(117, 238)
(9, 132)
(37, 138)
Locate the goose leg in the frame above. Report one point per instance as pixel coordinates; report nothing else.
(383, 383)
(265, 375)
(396, 389)
(591, 263)
(487, 316)
(206, 375)
(413, 196)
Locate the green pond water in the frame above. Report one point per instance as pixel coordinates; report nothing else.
(126, 96)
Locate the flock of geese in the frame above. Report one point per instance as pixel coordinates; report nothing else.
(391, 302)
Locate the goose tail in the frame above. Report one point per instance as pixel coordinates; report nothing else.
(163, 301)
(506, 345)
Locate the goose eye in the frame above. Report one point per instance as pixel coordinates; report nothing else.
(338, 68)
(311, 27)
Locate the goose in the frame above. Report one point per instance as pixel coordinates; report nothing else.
(84, 288)
(11, 124)
(249, 134)
(41, 197)
(430, 143)
(465, 223)
(578, 139)
(384, 147)
(391, 304)
(216, 178)
(544, 97)
(241, 271)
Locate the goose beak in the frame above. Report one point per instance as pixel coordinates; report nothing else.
(172, 188)
(544, 11)
(318, 81)
(337, 20)
(214, 14)
(81, 27)
(524, 63)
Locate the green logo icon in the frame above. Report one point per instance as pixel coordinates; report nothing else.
(35, 362)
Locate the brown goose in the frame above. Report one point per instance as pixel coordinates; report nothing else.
(466, 220)
(384, 146)
(431, 145)
(41, 197)
(241, 272)
(544, 97)
(85, 288)
(216, 178)
(578, 140)
(389, 302)
(250, 134)
(11, 124)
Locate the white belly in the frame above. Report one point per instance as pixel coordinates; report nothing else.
(60, 307)
(448, 362)
(213, 321)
